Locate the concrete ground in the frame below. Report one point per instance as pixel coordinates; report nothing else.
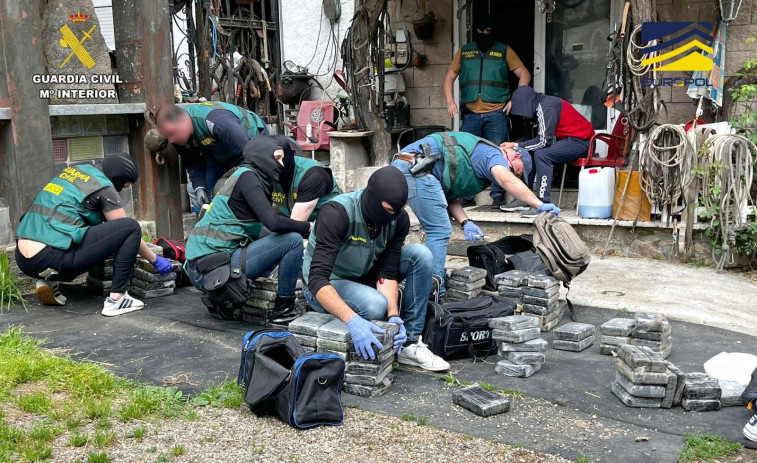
(679, 291)
(566, 408)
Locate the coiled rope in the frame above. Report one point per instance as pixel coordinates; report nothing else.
(733, 157)
(666, 167)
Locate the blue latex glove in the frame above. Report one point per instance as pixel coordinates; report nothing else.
(401, 337)
(362, 335)
(472, 232)
(549, 207)
(162, 265)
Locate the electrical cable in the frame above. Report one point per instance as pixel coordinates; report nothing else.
(665, 163)
(729, 165)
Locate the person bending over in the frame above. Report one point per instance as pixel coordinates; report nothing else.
(209, 137)
(563, 137)
(355, 258)
(234, 221)
(465, 164)
(76, 222)
(302, 187)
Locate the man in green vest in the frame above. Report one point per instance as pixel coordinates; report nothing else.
(302, 186)
(209, 137)
(461, 165)
(76, 222)
(232, 224)
(355, 259)
(482, 66)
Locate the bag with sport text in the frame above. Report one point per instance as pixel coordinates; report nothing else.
(461, 329)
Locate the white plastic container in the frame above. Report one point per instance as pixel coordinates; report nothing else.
(596, 192)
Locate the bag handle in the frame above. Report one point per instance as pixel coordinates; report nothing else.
(471, 349)
(570, 304)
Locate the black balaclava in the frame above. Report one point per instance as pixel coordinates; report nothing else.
(483, 41)
(386, 184)
(258, 155)
(524, 102)
(120, 170)
(287, 173)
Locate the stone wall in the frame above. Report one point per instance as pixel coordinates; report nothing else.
(424, 86)
(681, 108)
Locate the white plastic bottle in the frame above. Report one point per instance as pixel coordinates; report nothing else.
(596, 192)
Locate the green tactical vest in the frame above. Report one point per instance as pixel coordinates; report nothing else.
(285, 202)
(359, 253)
(484, 74)
(219, 229)
(459, 180)
(203, 139)
(57, 216)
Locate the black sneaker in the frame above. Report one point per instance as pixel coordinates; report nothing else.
(465, 202)
(498, 202)
(530, 213)
(514, 206)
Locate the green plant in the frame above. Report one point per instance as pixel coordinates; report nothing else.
(152, 449)
(744, 95)
(450, 379)
(422, 420)
(96, 410)
(139, 432)
(706, 447)
(581, 458)
(77, 439)
(105, 438)
(488, 387)
(162, 458)
(9, 292)
(35, 402)
(228, 395)
(97, 457)
(178, 450)
(408, 416)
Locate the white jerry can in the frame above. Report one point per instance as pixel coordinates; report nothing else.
(596, 192)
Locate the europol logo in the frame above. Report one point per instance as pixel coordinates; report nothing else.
(687, 41)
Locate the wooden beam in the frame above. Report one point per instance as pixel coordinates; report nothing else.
(143, 56)
(26, 145)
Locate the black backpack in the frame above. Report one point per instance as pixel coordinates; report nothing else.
(461, 329)
(303, 389)
(750, 393)
(508, 253)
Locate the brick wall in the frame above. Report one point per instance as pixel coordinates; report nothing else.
(424, 86)
(681, 108)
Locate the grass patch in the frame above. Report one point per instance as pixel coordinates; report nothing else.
(178, 450)
(450, 379)
(227, 395)
(581, 458)
(9, 292)
(408, 416)
(706, 447)
(35, 402)
(77, 439)
(139, 432)
(98, 457)
(422, 420)
(105, 439)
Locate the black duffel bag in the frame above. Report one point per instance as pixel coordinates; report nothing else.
(461, 329)
(508, 253)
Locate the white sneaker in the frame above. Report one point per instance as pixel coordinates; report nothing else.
(124, 305)
(750, 429)
(418, 355)
(49, 293)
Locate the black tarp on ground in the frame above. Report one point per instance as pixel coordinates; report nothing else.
(566, 408)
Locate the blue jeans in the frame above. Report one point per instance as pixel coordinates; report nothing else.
(262, 256)
(214, 170)
(560, 152)
(492, 126)
(426, 198)
(370, 304)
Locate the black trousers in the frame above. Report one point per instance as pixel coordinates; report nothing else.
(119, 238)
